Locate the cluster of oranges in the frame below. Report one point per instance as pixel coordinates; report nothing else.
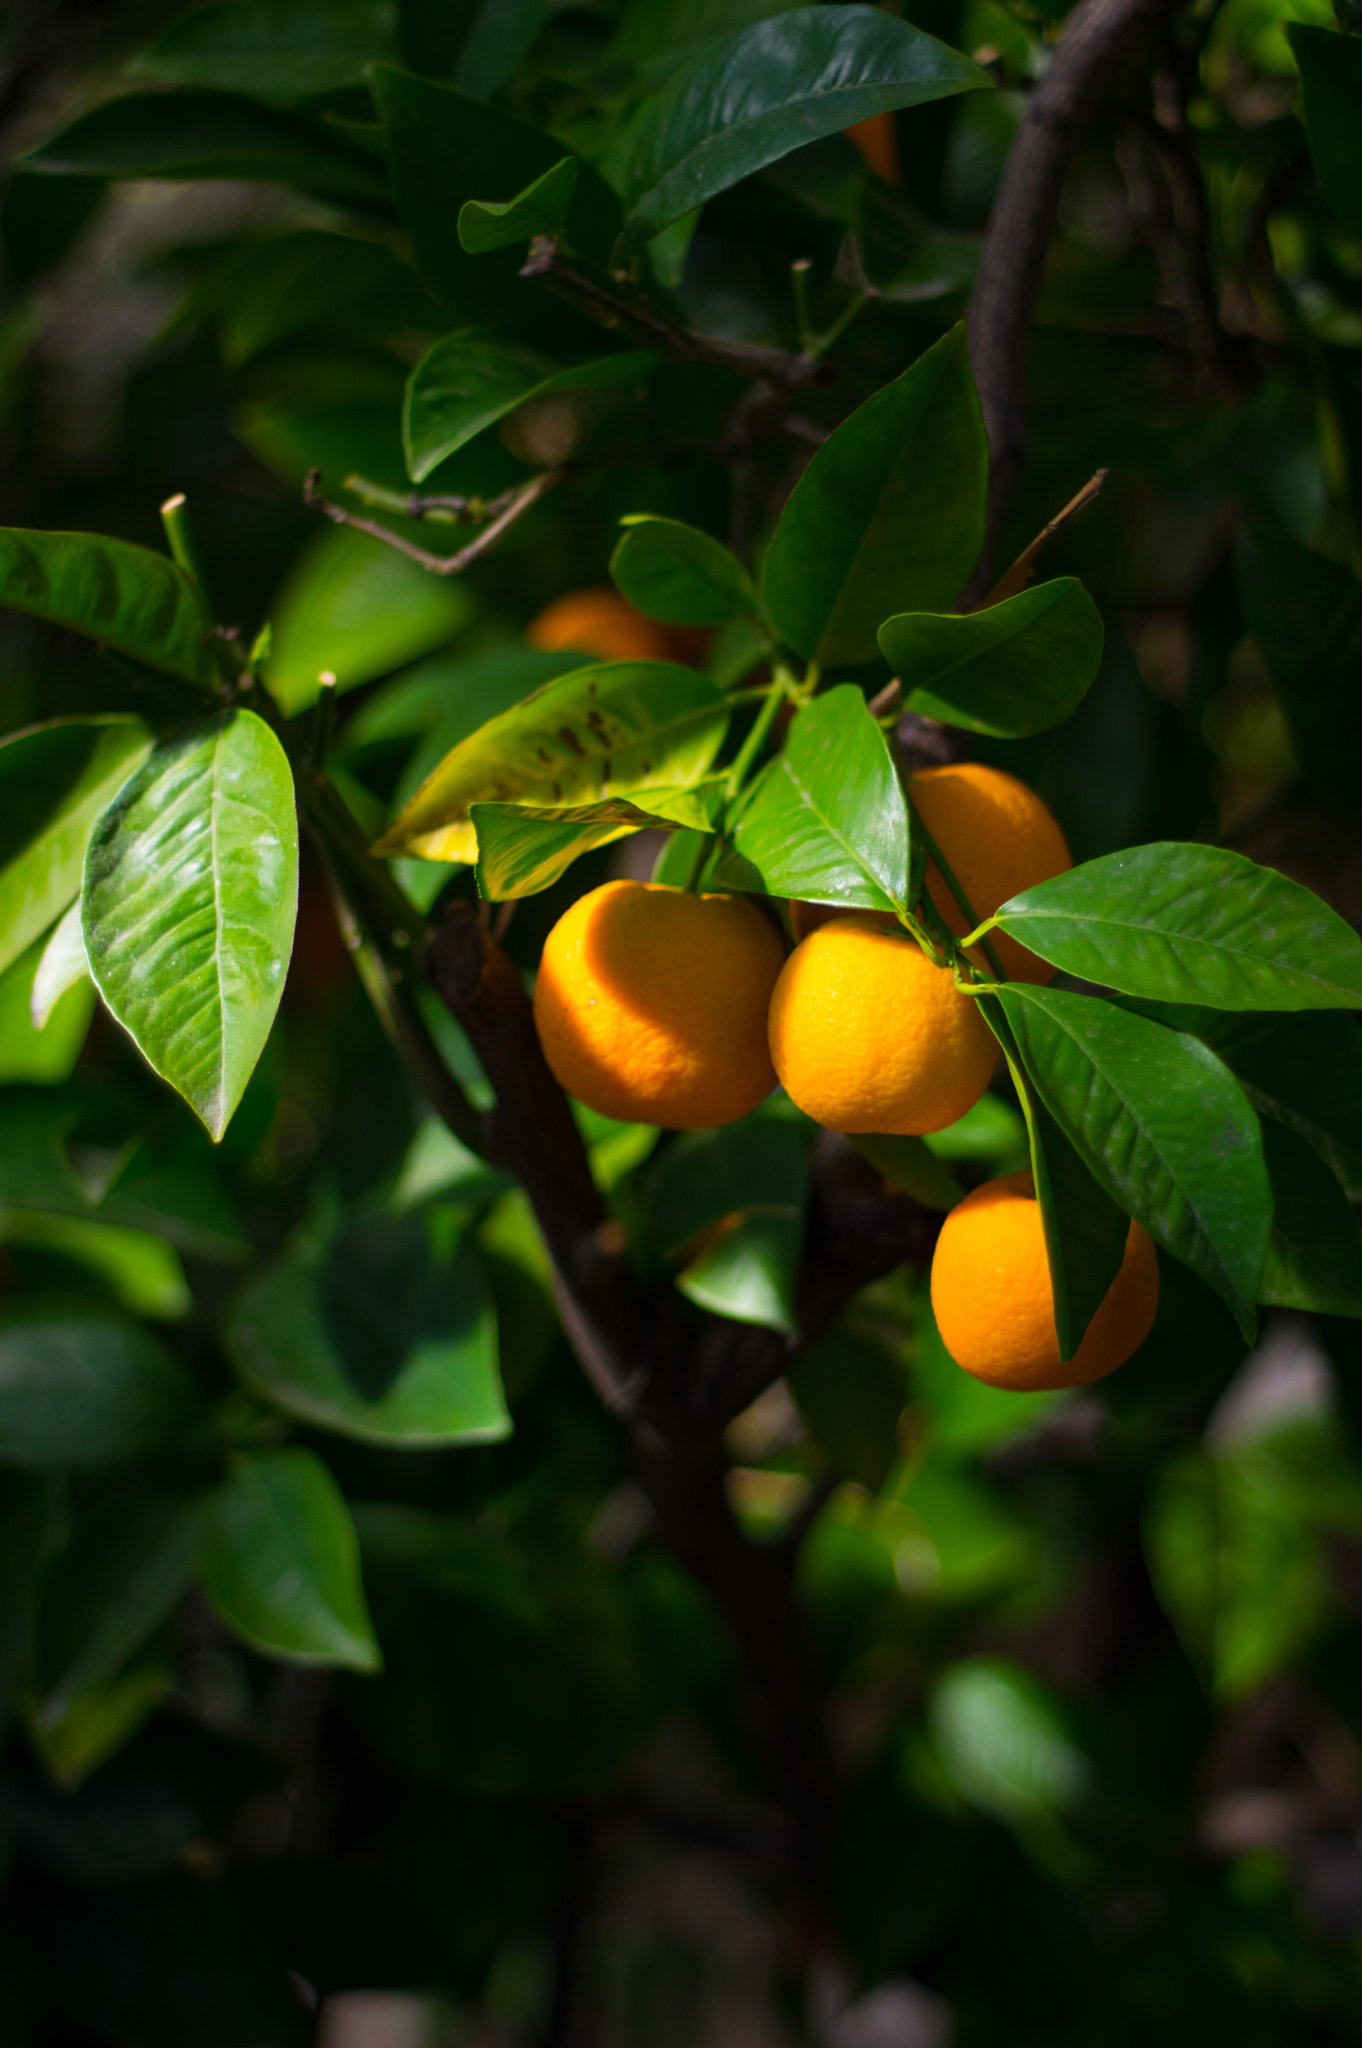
(658, 1006)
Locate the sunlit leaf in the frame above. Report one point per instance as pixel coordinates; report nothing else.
(1019, 667)
(130, 598)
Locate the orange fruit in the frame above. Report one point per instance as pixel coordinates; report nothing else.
(602, 623)
(993, 1302)
(651, 1004)
(999, 839)
(867, 1035)
(878, 143)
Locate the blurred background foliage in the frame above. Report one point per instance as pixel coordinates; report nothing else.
(1094, 1666)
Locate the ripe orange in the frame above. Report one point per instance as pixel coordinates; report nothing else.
(878, 143)
(867, 1035)
(993, 1302)
(999, 838)
(651, 1004)
(602, 623)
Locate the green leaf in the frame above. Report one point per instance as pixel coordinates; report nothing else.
(1305, 612)
(768, 90)
(889, 515)
(496, 36)
(374, 1338)
(1314, 1258)
(749, 1272)
(1017, 668)
(27, 1054)
(130, 598)
(523, 849)
(1331, 91)
(907, 1164)
(79, 1386)
(602, 731)
(191, 892)
(826, 821)
(680, 575)
(1159, 1123)
(273, 50)
(62, 967)
(465, 384)
(991, 1134)
(280, 1562)
(54, 782)
(1004, 1744)
(1192, 924)
(1085, 1230)
(356, 609)
(751, 1180)
(140, 1268)
(540, 209)
(279, 286)
(210, 135)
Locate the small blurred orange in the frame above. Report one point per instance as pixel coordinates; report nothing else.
(602, 623)
(878, 142)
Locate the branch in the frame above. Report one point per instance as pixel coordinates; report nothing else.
(1022, 570)
(1095, 38)
(517, 504)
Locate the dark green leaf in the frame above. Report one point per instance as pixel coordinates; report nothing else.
(274, 50)
(284, 285)
(191, 891)
(1305, 612)
(1331, 89)
(540, 209)
(464, 385)
(79, 1386)
(523, 849)
(1192, 924)
(766, 91)
(827, 821)
(680, 575)
(1019, 667)
(375, 1339)
(54, 782)
(497, 35)
(849, 1386)
(210, 135)
(1160, 1123)
(889, 515)
(280, 1562)
(907, 1164)
(749, 1271)
(602, 731)
(747, 1185)
(1314, 1258)
(128, 597)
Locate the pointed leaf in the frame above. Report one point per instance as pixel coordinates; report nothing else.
(1160, 1123)
(540, 209)
(1314, 1258)
(375, 1339)
(280, 1562)
(55, 780)
(523, 849)
(1192, 924)
(599, 732)
(750, 1271)
(680, 575)
(770, 89)
(191, 891)
(889, 515)
(62, 966)
(465, 384)
(274, 50)
(127, 597)
(1019, 667)
(827, 821)
(81, 1386)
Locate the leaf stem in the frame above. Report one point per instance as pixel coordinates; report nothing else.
(799, 284)
(180, 539)
(963, 904)
(758, 732)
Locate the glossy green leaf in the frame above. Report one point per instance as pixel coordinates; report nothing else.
(1159, 1123)
(1331, 91)
(1085, 1230)
(541, 209)
(1314, 1257)
(465, 384)
(1192, 924)
(80, 1386)
(1305, 612)
(680, 575)
(273, 50)
(770, 89)
(523, 849)
(907, 1165)
(191, 892)
(55, 780)
(130, 598)
(602, 731)
(280, 1562)
(210, 135)
(1019, 667)
(889, 515)
(26, 1053)
(61, 968)
(749, 1272)
(375, 1339)
(356, 609)
(827, 821)
(437, 1165)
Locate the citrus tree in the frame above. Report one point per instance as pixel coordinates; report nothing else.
(633, 938)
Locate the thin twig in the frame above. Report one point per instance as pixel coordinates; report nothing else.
(526, 495)
(1019, 575)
